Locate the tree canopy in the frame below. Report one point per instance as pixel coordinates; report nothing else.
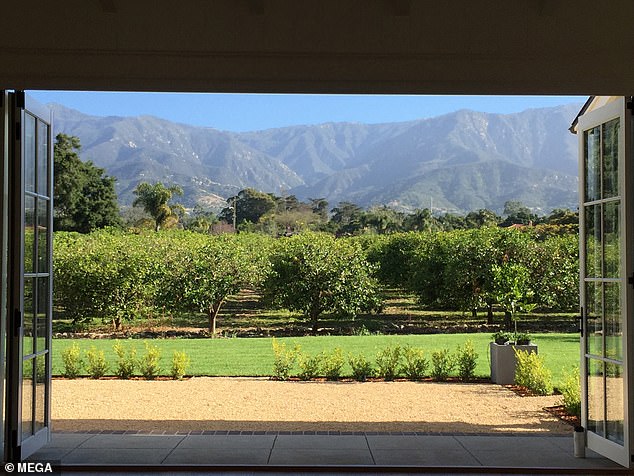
(84, 198)
(155, 200)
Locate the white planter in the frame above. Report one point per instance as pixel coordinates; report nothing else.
(503, 361)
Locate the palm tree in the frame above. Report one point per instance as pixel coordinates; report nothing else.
(154, 200)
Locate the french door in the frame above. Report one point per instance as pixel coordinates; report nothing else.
(30, 277)
(607, 279)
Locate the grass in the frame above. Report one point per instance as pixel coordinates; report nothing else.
(254, 356)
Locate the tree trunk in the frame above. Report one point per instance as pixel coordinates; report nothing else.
(116, 321)
(474, 312)
(213, 316)
(314, 319)
(489, 313)
(508, 317)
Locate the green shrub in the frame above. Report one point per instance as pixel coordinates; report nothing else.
(180, 362)
(149, 363)
(333, 363)
(387, 362)
(415, 364)
(126, 360)
(571, 393)
(309, 365)
(531, 373)
(71, 356)
(284, 360)
(361, 367)
(96, 366)
(466, 358)
(443, 363)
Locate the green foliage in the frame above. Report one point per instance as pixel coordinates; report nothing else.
(126, 360)
(201, 273)
(501, 337)
(180, 363)
(249, 206)
(71, 356)
(522, 338)
(309, 365)
(316, 273)
(443, 363)
(361, 367)
(530, 372)
(96, 363)
(284, 359)
(571, 392)
(466, 360)
(333, 364)
(84, 198)
(154, 199)
(149, 363)
(388, 362)
(415, 364)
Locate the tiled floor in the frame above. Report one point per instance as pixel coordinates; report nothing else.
(281, 450)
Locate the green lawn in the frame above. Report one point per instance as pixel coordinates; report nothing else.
(254, 356)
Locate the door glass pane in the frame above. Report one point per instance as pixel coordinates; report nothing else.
(27, 398)
(42, 234)
(40, 391)
(592, 157)
(611, 240)
(43, 312)
(596, 400)
(614, 402)
(29, 153)
(42, 158)
(611, 158)
(594, 268)
(28, 320)
(29, 228)
(594, 318)
(613, 319)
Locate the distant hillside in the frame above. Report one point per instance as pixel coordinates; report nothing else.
(460, 161)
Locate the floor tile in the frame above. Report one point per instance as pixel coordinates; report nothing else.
(249, 456)
(68, 440)
(132, 441)
(116, 456)
(314, 442)
(436, 443)
(317, 457)
(396, 457)
(227, 441)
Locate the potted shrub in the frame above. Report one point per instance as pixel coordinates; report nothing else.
(522, 338)
(503, 358)
(501, 337)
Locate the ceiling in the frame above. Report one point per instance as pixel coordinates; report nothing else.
(347, 46)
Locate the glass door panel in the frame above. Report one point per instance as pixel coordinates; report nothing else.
(604, 266)
(31, 285)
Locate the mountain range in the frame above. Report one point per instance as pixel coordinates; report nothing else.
(457, 162)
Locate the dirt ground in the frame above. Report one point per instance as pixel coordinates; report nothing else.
(252, 404)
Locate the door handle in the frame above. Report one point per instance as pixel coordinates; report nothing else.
(580, 317)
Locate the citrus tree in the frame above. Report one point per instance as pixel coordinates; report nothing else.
(316, 273)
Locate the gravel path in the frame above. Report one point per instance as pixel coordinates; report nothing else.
(252, 404)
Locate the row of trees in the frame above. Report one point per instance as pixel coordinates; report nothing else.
(119, 276)
(85, 200)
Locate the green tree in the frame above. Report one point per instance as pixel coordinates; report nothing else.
(347, 218)
(155, 200)
(203, 271)
(249, 206)
(84, 198)
(316, 273)
(482, 218)
(517, 213)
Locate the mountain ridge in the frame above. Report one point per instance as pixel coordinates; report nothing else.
(448, 160)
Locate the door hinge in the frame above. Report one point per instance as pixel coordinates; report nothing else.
(17, 323)
(580, 317)
(630, 280)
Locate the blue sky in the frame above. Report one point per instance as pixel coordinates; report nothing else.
(248, 112)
